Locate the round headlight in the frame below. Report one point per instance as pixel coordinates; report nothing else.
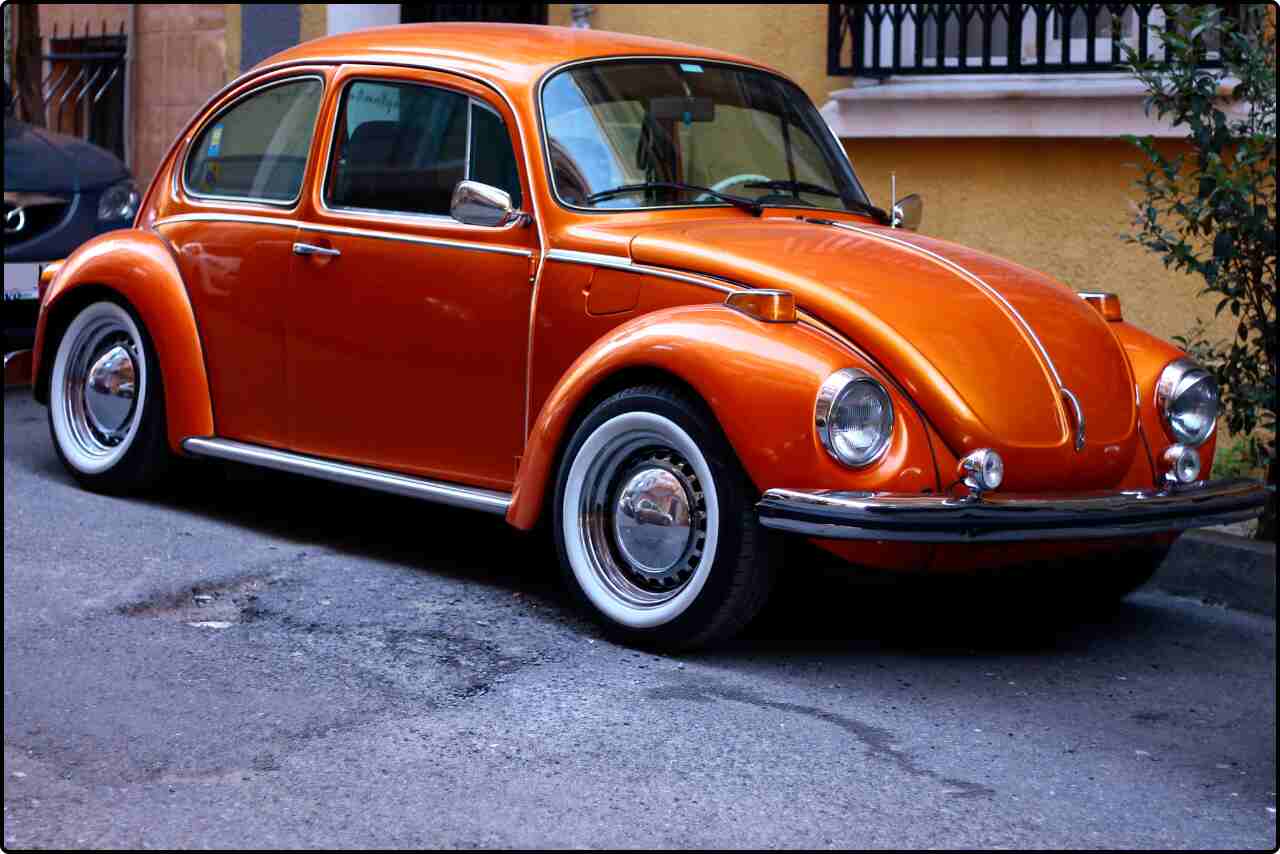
(854, 417)
(118, 202)
(1187, 396)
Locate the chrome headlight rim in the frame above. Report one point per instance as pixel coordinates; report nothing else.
(832, 391)
(1177, 378)
(126, 201)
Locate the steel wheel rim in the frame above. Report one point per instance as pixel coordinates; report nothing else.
(633, 582)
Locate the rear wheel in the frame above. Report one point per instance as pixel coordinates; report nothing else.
(655, 522)
(106, 401)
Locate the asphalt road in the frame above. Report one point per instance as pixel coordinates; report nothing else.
(375, 672)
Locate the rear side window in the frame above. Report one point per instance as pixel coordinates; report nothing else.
(257, 150)
(403, 147)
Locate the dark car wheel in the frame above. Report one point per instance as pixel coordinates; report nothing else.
(106, 401)
(655, 522)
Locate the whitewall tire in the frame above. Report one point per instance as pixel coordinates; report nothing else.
(655, 522)
(106, 411)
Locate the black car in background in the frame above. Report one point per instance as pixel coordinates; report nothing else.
(59, 191)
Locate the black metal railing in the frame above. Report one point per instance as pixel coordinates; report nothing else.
(884, 39)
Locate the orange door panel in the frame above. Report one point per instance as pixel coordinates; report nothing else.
(233, 272)
(410, 357)
(408, 332)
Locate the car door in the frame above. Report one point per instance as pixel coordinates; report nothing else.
(407, 336)
(232, 227)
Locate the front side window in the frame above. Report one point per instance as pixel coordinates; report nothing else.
(403, 147)
(257, 149)
(648, 124)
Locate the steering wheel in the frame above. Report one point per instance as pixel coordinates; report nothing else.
(721, 186)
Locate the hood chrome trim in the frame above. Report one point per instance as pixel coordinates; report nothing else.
(977, 281)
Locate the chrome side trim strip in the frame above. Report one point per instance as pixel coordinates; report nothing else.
(470, 497)
(413, 238)
(994, 517)
(615, 262)
(351, 232)
(221, 217)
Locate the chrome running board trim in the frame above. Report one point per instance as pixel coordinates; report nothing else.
(470, 497)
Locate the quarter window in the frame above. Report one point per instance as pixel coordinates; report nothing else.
(404, 147)
(258, 149)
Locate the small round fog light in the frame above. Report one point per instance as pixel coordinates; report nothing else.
(983, 470)
(1182, 464)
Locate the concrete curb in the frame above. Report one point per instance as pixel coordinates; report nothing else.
(1234, 571)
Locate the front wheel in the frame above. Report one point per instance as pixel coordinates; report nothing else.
(106, 401)
(655, 522)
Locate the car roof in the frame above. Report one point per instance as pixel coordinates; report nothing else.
(505, 55)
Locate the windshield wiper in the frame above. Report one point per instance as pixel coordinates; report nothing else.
(797, 186)
(754, 208)
(816, 189)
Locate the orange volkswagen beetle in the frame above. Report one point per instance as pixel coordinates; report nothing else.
(627, 286)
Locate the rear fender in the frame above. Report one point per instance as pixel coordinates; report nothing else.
(760, 381)
(138, 267)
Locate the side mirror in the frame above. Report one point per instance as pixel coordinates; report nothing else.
(908, 211)
(474, 203)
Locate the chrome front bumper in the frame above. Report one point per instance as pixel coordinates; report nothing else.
(998, 518)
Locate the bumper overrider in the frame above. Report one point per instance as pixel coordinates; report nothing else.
(993, 518)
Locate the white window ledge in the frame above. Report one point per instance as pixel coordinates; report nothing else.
(995, 105)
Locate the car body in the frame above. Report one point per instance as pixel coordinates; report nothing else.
(413, 258)
(59, 191)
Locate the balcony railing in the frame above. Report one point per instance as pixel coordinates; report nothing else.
(885, 39)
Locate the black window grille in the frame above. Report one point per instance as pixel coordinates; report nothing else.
(885, 39)
(83, 88)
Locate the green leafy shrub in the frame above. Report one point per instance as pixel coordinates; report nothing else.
(1210, 211)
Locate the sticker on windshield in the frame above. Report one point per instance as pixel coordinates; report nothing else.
(691, 67)
(215, 141)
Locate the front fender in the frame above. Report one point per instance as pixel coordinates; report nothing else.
(760, 381)
(137, 266)
(1149, 355)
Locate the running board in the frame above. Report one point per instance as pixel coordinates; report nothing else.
(452, 494)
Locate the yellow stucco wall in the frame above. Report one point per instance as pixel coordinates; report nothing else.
(791, 37)
(314, 21)
(234, 35)
(1057, 205)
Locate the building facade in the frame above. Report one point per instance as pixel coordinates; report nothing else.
(1007, 118)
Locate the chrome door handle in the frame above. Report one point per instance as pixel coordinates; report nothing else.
(309, 249)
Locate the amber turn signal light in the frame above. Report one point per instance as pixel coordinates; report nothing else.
(769, 306)
(47, 272)
(1108, 305)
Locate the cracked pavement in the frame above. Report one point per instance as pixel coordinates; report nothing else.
(253, 659)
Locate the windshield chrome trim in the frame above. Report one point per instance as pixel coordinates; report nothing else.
(543, 140)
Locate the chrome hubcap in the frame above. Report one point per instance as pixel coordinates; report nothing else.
(101, 387)
(651, 520)
(109, 392)
(643, 521)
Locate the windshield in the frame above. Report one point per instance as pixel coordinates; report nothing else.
(620, 134)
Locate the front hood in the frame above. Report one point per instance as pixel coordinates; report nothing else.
(957, 327)
(36, 160)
